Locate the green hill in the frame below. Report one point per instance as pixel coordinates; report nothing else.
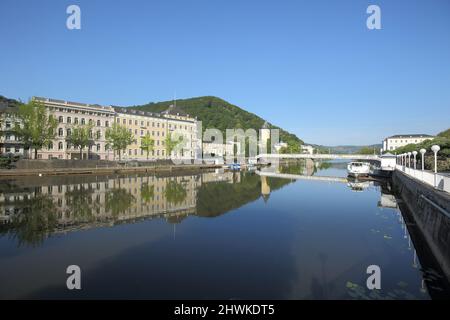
(220, 114)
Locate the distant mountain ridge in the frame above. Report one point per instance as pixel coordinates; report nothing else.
(217, 113)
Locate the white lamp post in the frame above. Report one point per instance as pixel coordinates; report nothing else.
(435, 149)
(422, 151)
(414, 154)
(409, 160)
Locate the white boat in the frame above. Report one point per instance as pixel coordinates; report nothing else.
(358, 169)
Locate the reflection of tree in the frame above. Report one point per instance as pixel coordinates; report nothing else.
(36, 220)
(175, 192)
(293, 168)
(325, 165)
(80, 204)
(216, 198)
(118, 201)
(147, 192)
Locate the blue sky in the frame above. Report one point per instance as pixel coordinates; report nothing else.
(311, 67)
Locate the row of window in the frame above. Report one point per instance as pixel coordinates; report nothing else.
(98, 134)
(142, 152)
(11, 150)
(69, 146)
(82, 121)
(408, 140)
(91, 113)
(136, 122)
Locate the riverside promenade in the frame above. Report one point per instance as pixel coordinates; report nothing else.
(76, 167)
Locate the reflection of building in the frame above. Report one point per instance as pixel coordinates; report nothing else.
(220, 175)
(397, 141)
(111, 199)
(265, 188)
(107, 200)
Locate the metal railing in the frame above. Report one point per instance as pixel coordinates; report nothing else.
(437, 180)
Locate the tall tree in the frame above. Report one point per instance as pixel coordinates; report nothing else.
(147, 144)
(171, 143)
(119, 138)
(35, 126)
(80, 138)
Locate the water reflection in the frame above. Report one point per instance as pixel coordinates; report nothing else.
(31, 210)
(249, 235)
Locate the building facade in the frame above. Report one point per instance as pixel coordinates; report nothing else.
(100, 118)
(394, 142)
(307, 149)
(9, 143)
(73, 114)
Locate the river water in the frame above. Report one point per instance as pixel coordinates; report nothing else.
(210, 235)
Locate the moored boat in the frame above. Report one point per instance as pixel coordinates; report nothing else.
(358, 169)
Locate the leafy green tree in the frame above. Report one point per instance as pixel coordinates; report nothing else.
(366, 150)
(171, 143)
(147, 144)
(36, 127)
(80, 138)
(119, 138)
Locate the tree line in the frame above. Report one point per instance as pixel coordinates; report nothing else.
(37, 128)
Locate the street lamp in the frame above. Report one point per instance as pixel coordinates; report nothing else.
(414, 154)
(435, 149)
(422, 151)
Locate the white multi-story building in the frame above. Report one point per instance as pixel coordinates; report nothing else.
(100, 118)
(71, 114)
(394, 142)
(307, 149)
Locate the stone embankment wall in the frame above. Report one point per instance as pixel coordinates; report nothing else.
(431, 211)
